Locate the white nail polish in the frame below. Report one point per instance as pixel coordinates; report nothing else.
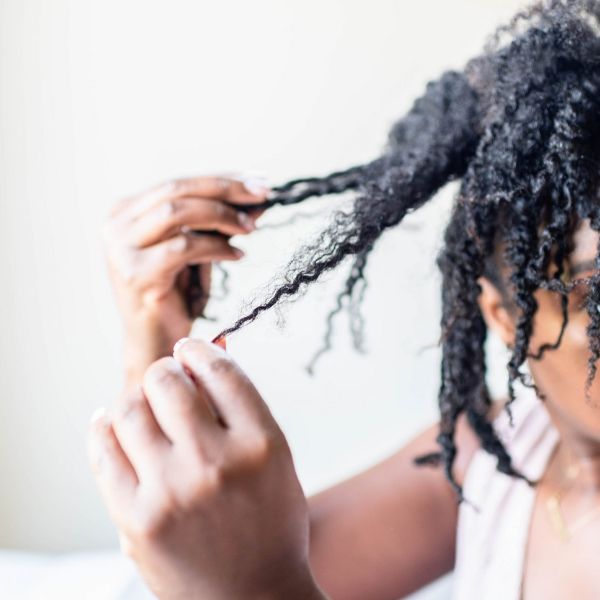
(256, 185)
(180, 343)
(246, 222)
(98, 414)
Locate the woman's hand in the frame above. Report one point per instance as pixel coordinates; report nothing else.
(150, 245)
(199, 479)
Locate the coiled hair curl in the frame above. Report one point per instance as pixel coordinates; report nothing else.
(519, 127)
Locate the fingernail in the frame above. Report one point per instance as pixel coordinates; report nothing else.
(238, 253)
(246, 221)
(98, 414)
(256, 185)
(179, 343)
(221, 342)
(124, 543)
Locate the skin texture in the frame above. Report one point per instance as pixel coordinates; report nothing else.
(148, 256)
(390, 530)
(188, 467)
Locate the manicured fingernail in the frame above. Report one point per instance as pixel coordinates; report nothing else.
(238, 253)
(180, 343)
(98, 414)
(124, 543)
(221, 342)
(256, 185)
(246, 221)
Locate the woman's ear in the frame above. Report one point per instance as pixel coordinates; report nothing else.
(495, 313)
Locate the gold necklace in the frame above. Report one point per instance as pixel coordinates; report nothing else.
(553, 506)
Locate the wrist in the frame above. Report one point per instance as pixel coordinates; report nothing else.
(301, 587)
(143, 346)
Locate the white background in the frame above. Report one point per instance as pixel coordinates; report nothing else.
(100, 99)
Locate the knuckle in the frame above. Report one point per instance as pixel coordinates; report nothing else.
(173, 207)
(150, 522)
(209, 481)
(162, 373)
(180, 244)
(222, 183)
(130, 397)
(221, 366)
(213, 479)
(260, 449)
(167, 505)
(148, 525)
(221, 211)
(130, 412)
(174, 186)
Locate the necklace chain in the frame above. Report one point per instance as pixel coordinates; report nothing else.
(553, 505)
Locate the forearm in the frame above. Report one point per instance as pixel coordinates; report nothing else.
(356, 525)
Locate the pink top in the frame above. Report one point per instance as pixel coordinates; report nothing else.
(490, 544)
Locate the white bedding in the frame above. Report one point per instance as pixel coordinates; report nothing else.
(81, 576)
(98, 576)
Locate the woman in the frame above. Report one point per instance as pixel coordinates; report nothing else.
(195, 471)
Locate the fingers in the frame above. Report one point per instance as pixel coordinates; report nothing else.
(166, 219)
(170, 256)
(139, 433)
(255, 213)
(228, 387)
(114, 473)
(182, 409)
(227, 189)
(230, 189)
(152, 237)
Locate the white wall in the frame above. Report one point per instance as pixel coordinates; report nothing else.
(101, 99)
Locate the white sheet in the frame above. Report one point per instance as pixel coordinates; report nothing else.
(99, 576)
(81, 576)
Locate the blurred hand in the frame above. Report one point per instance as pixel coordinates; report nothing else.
(149, 245)
(200, 482)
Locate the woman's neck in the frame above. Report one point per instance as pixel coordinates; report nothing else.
(576, 451)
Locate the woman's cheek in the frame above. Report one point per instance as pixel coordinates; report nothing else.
(576, 332)
(569, 360)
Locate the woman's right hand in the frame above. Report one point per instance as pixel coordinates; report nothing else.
(149, 247)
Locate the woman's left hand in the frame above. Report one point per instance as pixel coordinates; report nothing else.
(200, 482)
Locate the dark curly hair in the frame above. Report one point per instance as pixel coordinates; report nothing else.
(519, 126)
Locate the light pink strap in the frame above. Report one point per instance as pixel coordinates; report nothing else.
(490, 545)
